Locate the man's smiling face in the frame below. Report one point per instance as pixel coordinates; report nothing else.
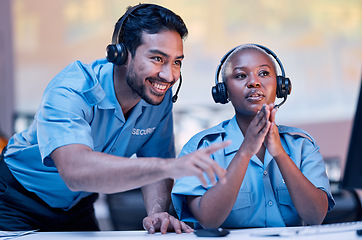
(156, 65)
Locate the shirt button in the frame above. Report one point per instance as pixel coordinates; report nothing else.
(113, 150)
(270, 203)
(265, 173)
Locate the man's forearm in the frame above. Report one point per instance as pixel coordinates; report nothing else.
(85, 170)
(157, 196)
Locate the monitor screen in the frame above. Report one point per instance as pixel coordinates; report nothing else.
(352, 177)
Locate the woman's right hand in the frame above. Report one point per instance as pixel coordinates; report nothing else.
(257, 131)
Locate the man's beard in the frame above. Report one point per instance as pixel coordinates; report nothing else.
(139, 88)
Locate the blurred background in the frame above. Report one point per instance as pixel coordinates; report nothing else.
(318, 41)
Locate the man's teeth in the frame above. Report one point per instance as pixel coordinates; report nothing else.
(159, 86)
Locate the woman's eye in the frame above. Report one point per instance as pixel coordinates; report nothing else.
(241, 76)
(264, 73)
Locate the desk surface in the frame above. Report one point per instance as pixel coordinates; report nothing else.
(336, 233)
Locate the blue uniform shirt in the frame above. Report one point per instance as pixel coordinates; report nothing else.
(263, 199)
(79, 106)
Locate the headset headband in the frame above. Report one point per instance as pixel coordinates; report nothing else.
(119, 24)
(267, 50)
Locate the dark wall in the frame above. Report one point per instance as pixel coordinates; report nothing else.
(6, 69)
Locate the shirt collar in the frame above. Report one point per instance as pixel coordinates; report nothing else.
(111, 102)
(102, 92)
(106, 82)
(234, 134)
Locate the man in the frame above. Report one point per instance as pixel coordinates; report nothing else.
(91, 120)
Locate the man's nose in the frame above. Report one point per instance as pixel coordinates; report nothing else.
(167, 73)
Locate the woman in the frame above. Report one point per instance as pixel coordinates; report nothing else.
(275, 174)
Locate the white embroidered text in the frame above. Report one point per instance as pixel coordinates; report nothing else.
(146, 131)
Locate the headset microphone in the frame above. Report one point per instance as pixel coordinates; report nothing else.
(174, 98)
(282, 102)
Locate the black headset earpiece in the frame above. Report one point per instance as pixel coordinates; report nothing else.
(220, 93)
(117, 52)
(284, 86)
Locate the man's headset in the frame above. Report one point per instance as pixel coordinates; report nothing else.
(117, 52)
(219, 91)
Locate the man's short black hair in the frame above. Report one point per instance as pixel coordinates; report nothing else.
(150, 19)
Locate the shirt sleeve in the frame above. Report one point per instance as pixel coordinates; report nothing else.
(62, 120)
(312, 166)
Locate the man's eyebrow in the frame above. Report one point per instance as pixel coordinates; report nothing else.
(156, 51)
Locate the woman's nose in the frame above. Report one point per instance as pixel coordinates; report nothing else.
(253, 81)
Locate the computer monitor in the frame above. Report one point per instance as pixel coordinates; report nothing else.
(352, 177)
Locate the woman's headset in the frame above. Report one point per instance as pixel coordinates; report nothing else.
(219, 91)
